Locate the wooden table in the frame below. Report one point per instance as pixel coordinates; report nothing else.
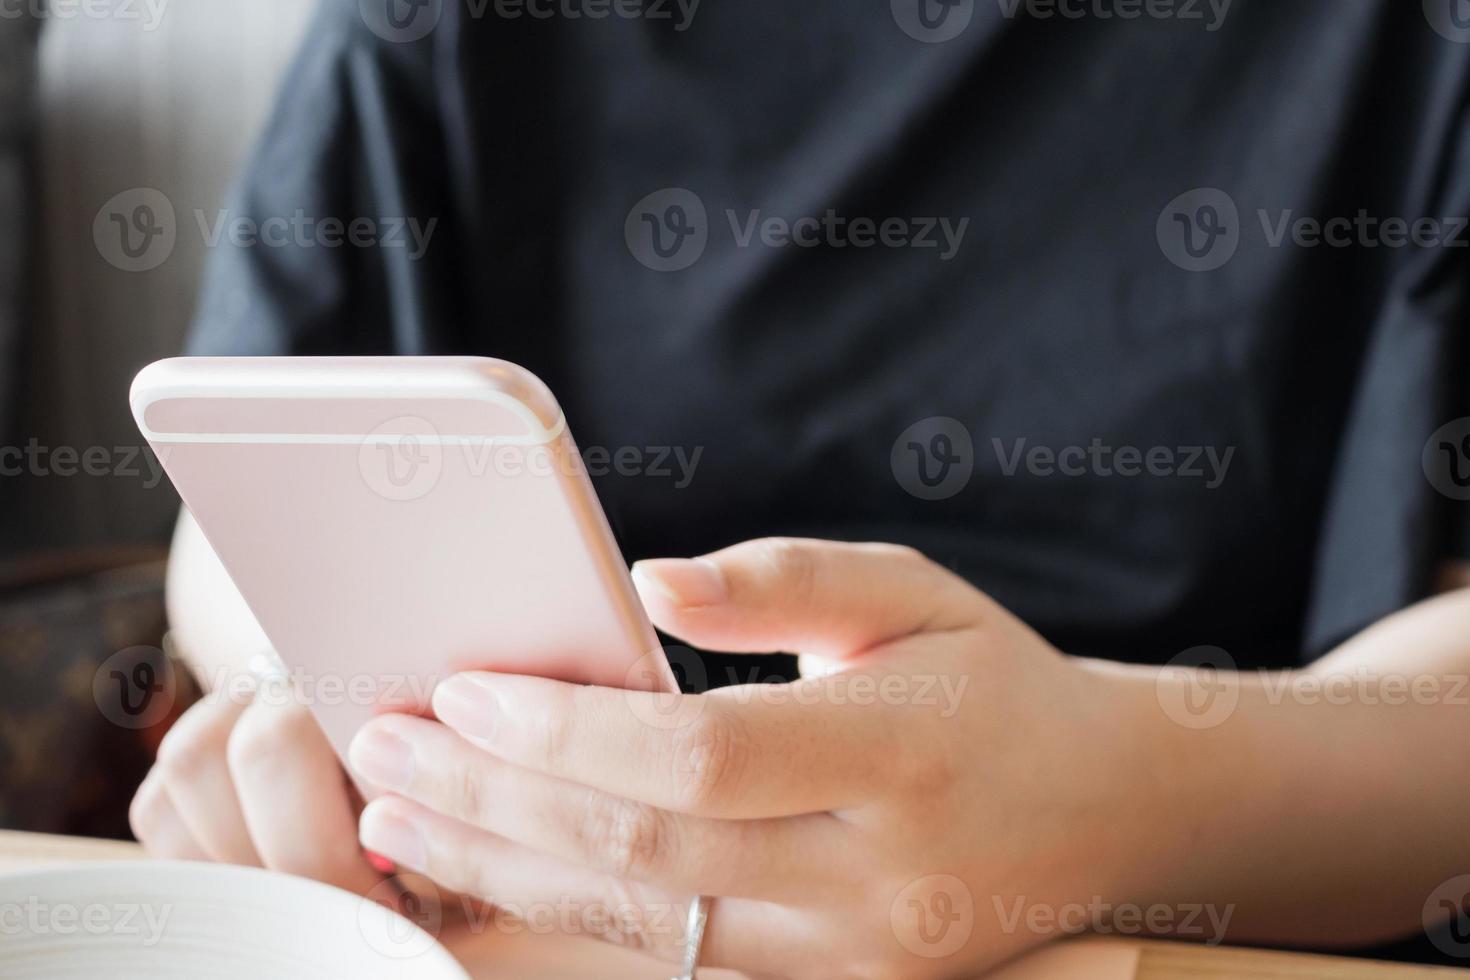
(498, 956)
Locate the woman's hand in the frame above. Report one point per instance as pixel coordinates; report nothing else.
(887, 819)
(253, 781)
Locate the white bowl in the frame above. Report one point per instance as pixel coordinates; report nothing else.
(163, 919)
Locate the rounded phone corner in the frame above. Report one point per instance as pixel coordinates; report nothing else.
(524, 386)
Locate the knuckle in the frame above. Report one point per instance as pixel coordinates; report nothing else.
(558, 729)
(793, 563)
(259, 739)
(625, 837)
(184, 753)
(710, 757)
(907, 554)
(929, 774)
(469, 797)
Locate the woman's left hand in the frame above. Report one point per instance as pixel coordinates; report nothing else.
(904, 814)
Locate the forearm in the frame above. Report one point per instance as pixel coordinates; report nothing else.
(1327, 806)
(209, 622)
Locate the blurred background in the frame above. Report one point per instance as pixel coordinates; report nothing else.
(150, 101)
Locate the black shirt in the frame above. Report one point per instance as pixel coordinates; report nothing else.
(1078, 235)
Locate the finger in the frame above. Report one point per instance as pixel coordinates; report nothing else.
(544, 891)
(294, 796)
(156, 823)
(425, 761)
(193, 763)
(737, 753)
(827, 599)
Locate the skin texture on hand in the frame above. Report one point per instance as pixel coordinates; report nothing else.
(942, 792)
(829, 815)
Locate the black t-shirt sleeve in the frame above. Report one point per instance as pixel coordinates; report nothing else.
(337, 237)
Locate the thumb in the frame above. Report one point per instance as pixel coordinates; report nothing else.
(825, 599)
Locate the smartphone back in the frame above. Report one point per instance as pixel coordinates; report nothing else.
(390, 521)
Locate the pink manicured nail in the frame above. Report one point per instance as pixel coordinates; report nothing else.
(468, 706)
(394, 838)
(382, 759)
(686, 581)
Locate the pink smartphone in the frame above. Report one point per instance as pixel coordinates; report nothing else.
(393, 520)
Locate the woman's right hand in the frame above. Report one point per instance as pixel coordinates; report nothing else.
(252, 782)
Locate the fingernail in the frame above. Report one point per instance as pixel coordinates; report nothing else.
(686, 581)
(468, 706)
(382, 759)
(395, 838)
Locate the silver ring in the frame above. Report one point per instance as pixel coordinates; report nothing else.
(694, 933)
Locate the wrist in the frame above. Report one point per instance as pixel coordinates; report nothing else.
(1194, 770)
